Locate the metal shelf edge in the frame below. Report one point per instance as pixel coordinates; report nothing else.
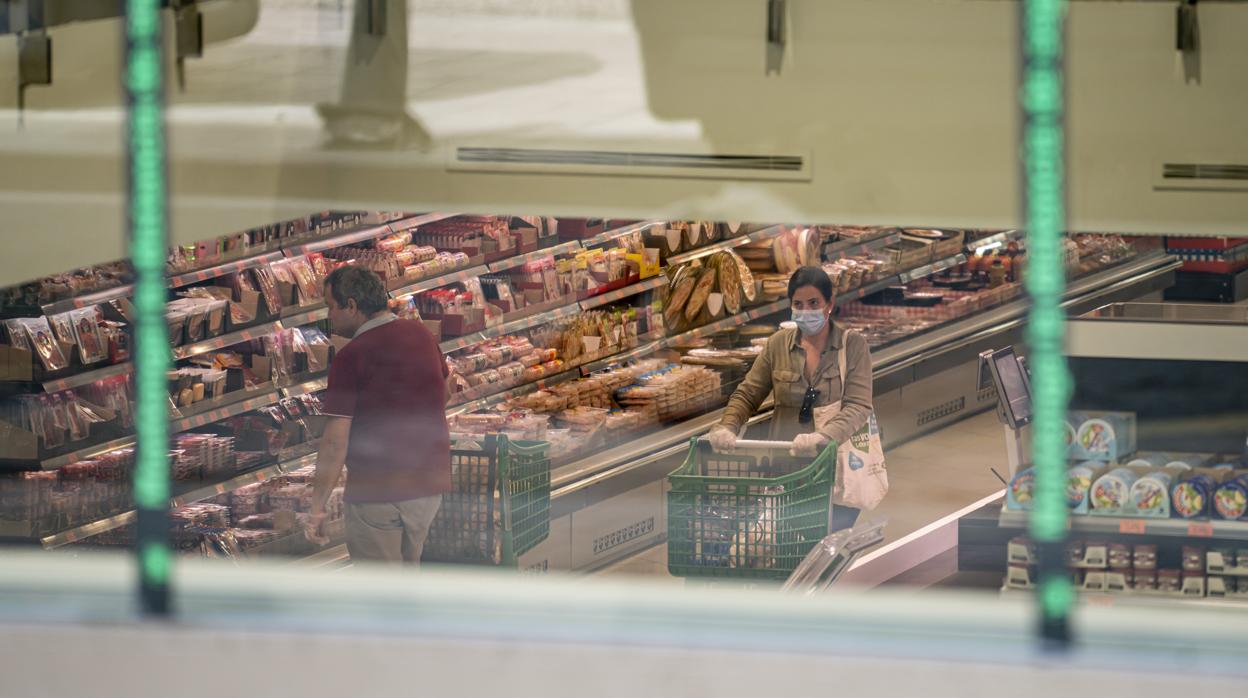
(521, 260)
(767, 233)
(626, 292)
(441, 280)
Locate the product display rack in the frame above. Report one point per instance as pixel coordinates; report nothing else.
(579, 476)
(1171, 528)
(197, 494)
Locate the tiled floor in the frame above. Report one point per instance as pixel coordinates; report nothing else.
(929, 478)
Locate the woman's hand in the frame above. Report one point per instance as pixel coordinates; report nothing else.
(808, 444)
(722, 439)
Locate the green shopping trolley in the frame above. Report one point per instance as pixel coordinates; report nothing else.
(753, 513)
(499, 508)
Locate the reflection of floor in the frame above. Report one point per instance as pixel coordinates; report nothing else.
(929, 478)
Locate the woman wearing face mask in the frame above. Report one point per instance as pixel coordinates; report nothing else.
(801, 366)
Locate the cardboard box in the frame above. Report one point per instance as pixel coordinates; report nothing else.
(434, 327)
(16, 364)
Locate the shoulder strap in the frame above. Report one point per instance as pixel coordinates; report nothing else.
(841, 358)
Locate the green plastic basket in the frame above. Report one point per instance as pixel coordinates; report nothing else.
(744, 515)
(499, 507)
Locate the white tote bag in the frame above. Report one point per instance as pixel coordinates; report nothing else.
(861, 479)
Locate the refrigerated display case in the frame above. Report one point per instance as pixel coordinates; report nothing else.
(614, 341)
(1157, 460)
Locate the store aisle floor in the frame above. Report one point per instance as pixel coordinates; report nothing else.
(929, 478)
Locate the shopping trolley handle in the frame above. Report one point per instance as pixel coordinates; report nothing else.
(753, 444)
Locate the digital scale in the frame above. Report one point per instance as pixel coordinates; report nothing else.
(1006, 371)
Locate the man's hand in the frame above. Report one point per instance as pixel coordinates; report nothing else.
(314, 529)
(808, 444)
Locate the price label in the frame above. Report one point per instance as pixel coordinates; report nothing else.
(1131, 526)
(1200, 530)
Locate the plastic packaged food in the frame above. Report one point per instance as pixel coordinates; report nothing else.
(44, 343)
(1112, 491)
(1230, 501)
(1151, 493)
(1145, 556)
(1079, 481)
(92, 345)
(1191, 497)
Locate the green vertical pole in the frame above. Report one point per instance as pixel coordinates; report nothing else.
(145, 138)
(1043, 151)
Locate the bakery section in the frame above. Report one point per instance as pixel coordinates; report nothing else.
(613, 341)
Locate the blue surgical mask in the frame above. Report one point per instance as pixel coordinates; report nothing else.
(810, 322)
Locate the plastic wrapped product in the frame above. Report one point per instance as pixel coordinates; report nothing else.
(1022, 490)
(1079, 481)
(1151, 493)
(1230, 501)
(1112, 491)
(44, 343)
(92, 346)
(1191, 497)
(1104, 436)
(1149, 460)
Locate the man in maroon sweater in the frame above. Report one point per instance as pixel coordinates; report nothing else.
(386, 404)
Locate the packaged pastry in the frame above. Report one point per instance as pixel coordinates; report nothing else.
(92, 345)
(44, 343)
(1191, 497)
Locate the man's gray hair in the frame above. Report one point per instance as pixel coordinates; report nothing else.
(362, 285)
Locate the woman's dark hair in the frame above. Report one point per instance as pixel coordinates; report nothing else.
(360, 284)
(811, 276)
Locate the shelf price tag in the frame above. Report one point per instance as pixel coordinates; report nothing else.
(1198, 529)
(1131, 526)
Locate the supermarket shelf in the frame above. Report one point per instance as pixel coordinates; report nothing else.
(270, 252)
(853, 248)
(510, 327)
(315, 385)
(367, 232)
(995, 241)
(1176, 528)
(87, 378)
(513, 392)
(440, 281)
(87, 300)
(727, 323)
(406, 223)
(616, 233)
(934, 268)
(521, 260)
(770, 233)
(86, 452)
(231, 410)
(118, 520)
(188, 350)
(642, 350)
(628, 291)
(1143, 271)
(305, 316)
(302, 318)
